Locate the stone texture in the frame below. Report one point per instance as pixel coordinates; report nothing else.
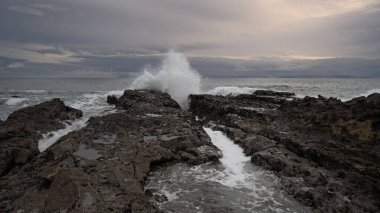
(325, 151)
(20, 133)
(133, 143)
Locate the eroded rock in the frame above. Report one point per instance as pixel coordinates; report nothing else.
(81, 174)
(20, 133)
(325, 151)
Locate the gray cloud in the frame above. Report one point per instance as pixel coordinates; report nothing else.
(26, 10)
(15, 65)
(132, 66)
(124, 36)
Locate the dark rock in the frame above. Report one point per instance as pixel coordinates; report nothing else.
(21, 156)
(274, 93)
(248, 106)
(358, 100)
(45, 115)
(137, 141)
(322, 97)
(23, 128)
(112, 100)
(325, 151)
(160, 198)
(148, 101)
(374, 98)
(376, 151)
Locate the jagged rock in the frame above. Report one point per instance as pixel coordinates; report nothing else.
(20, 133)
(21, 156)
(45, 115)
(273, 93)
(249, 106)
(103, 166)
(147, 101)
(112, 100)
(352, 121)
(325, 151)
(374, 98)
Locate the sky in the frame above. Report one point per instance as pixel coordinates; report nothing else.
(221, 38)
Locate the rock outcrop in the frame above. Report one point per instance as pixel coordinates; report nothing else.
(20, 133)
(325, 151)
(102, 167)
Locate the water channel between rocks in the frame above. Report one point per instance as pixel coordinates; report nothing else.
(234, 185)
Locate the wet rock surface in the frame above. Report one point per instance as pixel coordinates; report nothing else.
(20, 133)
(325, 151)
(103, 166)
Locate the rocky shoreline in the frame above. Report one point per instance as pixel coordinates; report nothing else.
(102, 167)
(326, 152)
(20, 133)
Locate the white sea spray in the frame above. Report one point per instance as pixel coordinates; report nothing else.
(175, 77)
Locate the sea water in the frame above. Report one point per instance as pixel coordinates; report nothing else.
(234, 185)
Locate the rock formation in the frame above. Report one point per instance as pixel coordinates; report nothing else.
(325, 151)
(102, 167)
(20, 133)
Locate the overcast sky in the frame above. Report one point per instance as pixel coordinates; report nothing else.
(117, 38)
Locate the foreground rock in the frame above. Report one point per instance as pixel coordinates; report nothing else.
(103, 166)
(327, 152)
(20, 133)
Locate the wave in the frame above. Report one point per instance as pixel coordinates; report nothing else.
(52, 137)
(231, 91)
(92, 104)
(175, 77)
(369, 92)
(15, 101)
(38, 91)
(365, 94)
(233, 158)
(33, 91)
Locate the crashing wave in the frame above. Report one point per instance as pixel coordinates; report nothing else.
(369, 92)
(175, 77)
(231, 91)
(15, 101)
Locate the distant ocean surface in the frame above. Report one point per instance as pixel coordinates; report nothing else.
(89, 95)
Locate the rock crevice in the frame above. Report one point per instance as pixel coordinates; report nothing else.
(325, 151)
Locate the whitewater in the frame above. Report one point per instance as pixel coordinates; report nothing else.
(175, 77)
(234, 185)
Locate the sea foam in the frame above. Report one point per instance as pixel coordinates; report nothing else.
(369, 92)
(92, 104)
(175, 77)
(231, 91)
(233, 159)
(15, 101)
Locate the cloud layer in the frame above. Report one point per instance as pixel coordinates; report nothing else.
(72, 35)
